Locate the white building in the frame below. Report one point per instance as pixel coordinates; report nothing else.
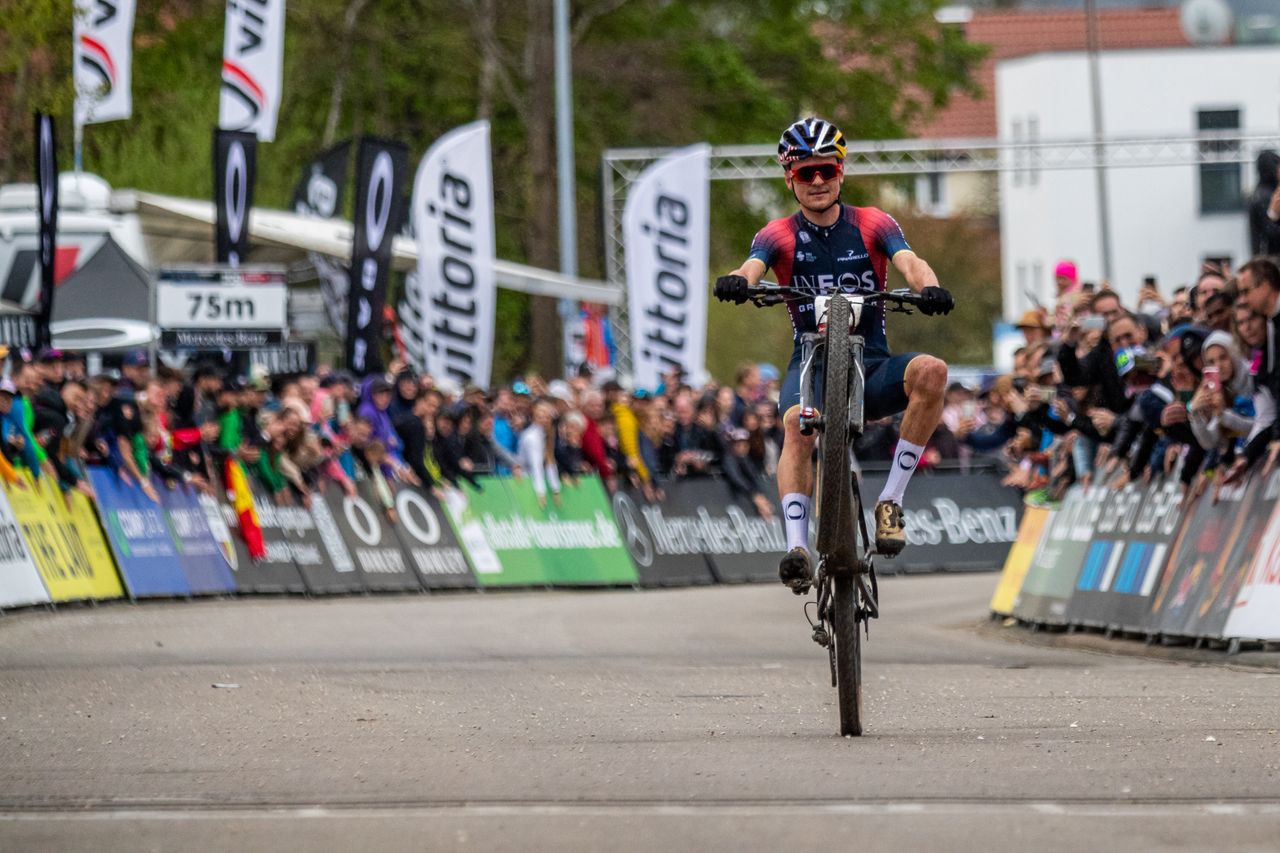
(1164, 221)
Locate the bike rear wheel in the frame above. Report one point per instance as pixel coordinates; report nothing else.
(848, 640)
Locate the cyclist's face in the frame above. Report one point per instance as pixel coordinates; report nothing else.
(822, 192)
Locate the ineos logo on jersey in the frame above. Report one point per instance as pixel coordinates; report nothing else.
(411, 507)
(823, 283)
(362, 520)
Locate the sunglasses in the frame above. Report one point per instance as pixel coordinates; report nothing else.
(809, 174)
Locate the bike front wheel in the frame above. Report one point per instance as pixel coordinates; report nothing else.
(848, 640)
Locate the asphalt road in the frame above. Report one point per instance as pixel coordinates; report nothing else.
(676, 720)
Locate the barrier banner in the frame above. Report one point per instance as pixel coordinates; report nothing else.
(660, 558)
(513, 541)
(427, 537)
(139, 535)
(70, 554)
(955, 522)
(1019, 559)
(1212, 557)
(1130, 531)
(19, 578)
(700, 516)
(1051, 578)
(1255, 613)
(201, 557)
(370, 540)
(277, 572)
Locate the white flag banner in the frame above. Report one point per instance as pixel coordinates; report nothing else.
(252, 67)
(103, 60)
(665, 227)
(447, 314)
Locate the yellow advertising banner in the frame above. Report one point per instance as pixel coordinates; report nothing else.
(1019, 559)
(67, 544)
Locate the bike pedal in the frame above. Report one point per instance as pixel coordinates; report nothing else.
(821, 636)
(800, 589)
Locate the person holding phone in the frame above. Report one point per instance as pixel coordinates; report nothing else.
(1221, 411)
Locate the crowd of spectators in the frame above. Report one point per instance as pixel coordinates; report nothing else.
(294, 434)
(1179, 385)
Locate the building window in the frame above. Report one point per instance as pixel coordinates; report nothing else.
(1220, 183)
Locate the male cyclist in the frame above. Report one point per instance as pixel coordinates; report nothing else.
(829, 245)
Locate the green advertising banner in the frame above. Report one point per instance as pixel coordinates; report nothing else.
(514, 542)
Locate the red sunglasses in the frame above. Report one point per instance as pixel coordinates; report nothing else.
(809, 174)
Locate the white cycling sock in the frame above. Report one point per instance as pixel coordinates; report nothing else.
(795, 512)
(905, 457)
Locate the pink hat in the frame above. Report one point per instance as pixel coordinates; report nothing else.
(1067, 269)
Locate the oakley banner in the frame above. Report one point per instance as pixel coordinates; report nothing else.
(103, 58)
(380, 175)
(447, 313)
(365, 530)
(422, 525)
(319, 193)
(235, 156)
(665, 226)
(252, 67)
(47, 196)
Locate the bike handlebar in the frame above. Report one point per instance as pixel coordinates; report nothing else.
(766, 294)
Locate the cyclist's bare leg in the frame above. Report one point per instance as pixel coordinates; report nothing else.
(795, 487)
(925, 383)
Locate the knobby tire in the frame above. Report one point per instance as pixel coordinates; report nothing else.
(848, 653)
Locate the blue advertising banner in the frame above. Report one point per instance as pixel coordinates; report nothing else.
(199, 552)
(138, 531)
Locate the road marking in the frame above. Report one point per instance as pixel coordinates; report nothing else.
(1179, 809)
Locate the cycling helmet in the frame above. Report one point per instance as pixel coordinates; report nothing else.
(810, 137)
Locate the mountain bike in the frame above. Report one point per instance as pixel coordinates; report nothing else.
(847, 592)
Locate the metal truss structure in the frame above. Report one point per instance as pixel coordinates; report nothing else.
(623, 166)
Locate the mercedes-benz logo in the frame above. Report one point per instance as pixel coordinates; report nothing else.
(633, 529)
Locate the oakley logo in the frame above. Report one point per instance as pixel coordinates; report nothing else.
(417, 518)
(378, 204)
(907, 459)
(235, 189)
(794, 510)
(364, 524)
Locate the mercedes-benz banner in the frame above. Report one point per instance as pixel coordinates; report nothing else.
(447, 312)
(666, 226)
(103, 60)
(252, 67)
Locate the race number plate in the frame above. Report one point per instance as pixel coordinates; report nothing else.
(820, 304)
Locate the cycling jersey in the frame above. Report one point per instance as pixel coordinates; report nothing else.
(811, 259)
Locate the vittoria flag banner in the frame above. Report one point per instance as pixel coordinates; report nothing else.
(252, 67)
(47, 199)
(103, 59)
(447, 314)
(665, 229)
(234, 161)
(319, 193)
(380, 178)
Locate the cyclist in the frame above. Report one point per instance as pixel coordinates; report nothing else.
(824, 246)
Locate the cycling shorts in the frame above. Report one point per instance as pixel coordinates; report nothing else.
(884, 393)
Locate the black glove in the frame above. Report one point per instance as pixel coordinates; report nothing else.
(731, 288)
(936, 300)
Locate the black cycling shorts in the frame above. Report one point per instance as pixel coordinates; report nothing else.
(884, 395)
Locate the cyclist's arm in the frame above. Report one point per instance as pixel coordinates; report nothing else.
(915, 270)
(752, 270)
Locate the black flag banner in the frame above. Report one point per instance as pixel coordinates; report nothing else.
(319, 193)
(47, 194)
(235, 155)
(380, 180)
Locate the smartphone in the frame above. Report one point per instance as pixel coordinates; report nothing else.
(1048, 393)
(1094, 323)
(968, 409)
(1212, 378)
(1149, 281)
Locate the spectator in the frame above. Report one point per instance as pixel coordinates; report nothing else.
(1264, 206)
(743, 475)
(537, 453)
